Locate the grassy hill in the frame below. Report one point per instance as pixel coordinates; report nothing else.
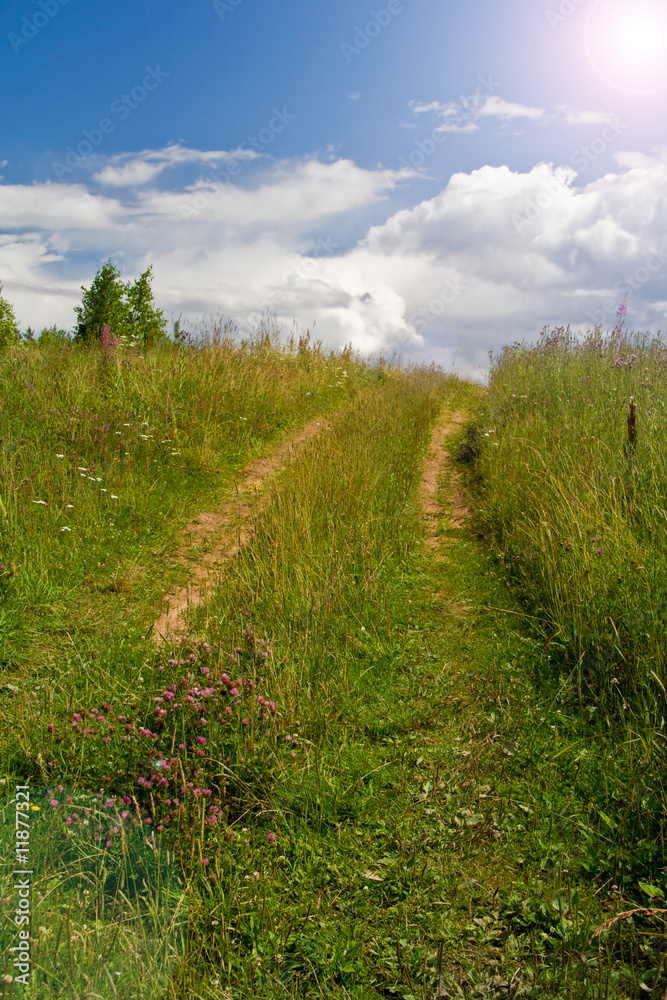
(411, 743)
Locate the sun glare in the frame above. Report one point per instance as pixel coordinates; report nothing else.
(639, 37)
(626, 44)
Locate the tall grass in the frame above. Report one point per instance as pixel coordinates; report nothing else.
(580, 510)
(362, 775)
(108, 922)
(570, 452)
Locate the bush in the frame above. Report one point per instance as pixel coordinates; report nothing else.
(9, 331)
(52, 336)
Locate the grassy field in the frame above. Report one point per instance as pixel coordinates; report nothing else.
(567, 466)
(105, 454)
(375, 768)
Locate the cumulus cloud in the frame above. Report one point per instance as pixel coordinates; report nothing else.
(498, 254)
(491, 258)
(215, 246)
(55, 207)
(293, 194)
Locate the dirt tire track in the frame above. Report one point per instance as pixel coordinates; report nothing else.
(229, 529)
(434, 464)
(457, 512)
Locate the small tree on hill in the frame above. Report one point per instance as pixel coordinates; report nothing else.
(149, 322)
(9, 331)
(128, 309)
(102, 306)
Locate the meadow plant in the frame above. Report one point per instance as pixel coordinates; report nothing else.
(336, 535)
(110, 342)
(195, 752)
(300, 828)
(571, 485)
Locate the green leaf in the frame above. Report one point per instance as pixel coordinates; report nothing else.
(651, 890)
(610, 823)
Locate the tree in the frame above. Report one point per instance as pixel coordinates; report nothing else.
(149, 322)
(102, 306)
(9, 331)
(52, 336)
(128, 309)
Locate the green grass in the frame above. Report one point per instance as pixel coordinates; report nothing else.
(578, 510)
(574, 511)
(410, 798)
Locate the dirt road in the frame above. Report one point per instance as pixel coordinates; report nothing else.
(222, 533)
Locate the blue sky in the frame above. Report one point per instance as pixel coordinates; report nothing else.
(414, 177)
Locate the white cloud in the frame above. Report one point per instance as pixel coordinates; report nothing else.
(491, 258)
(420, 109)
(497, 254)
(458, 125)
(129, 174)
(293, 197)
(130, 169)
(634, 160)
(462, 115)
(56, 207)
(573, 117)
(496, 107)
(454, 116)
